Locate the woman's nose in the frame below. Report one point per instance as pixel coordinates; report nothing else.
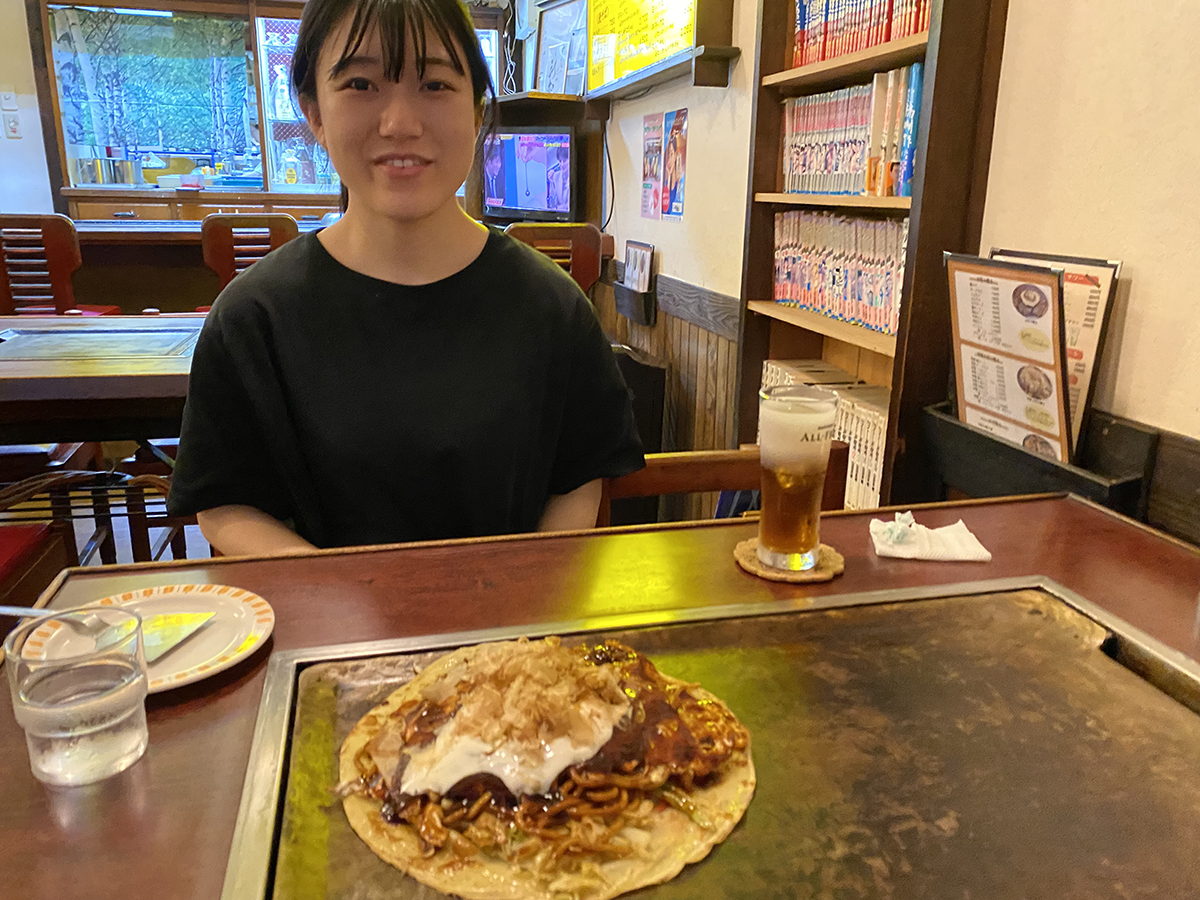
(401, 115)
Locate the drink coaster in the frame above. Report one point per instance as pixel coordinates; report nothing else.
(829, 564)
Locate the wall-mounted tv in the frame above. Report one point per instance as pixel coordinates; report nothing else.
(529, 173)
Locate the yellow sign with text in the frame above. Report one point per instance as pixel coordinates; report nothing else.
(628, 35)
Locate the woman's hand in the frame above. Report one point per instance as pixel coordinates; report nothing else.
(246, 531)
(574, 511)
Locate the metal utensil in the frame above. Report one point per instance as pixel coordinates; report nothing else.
(160, 632)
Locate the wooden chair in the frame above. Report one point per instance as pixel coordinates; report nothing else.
(575, 247)
(232, 242)
(62, 499)
(30, 558)
(40, 254)
(21, 461)
(699, 471)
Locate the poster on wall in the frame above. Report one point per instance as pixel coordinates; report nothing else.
(1089, 286)
(652, 145)
(674, 169)
(1009, 352)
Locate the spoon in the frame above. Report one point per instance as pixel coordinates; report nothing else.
(87, 625)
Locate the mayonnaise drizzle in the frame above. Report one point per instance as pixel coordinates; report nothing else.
(454, 755)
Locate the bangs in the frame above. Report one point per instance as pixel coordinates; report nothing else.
(395, 20)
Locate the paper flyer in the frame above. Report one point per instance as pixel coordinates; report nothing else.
(1088, 288)
(652, 141)
(674, 174)
(1010, 353)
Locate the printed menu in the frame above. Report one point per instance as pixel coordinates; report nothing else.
(1009, 352)
(1088, 289)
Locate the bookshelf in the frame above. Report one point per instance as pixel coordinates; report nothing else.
(848, 68)
(836, 201)
(846, 332)
(961, 51)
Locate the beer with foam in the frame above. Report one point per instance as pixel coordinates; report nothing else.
(795, 429)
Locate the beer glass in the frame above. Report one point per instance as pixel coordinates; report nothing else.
(795, 428)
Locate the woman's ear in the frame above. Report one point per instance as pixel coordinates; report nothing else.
(312, 113)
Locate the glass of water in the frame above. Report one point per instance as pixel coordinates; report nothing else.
(80, 698)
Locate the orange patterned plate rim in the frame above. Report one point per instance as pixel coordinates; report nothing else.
(262, 623)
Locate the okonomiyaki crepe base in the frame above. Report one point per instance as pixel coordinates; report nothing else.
(674, 839)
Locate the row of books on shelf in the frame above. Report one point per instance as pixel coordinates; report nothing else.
(856, 140)
(827, 29)
(850, 269)
(861, 420)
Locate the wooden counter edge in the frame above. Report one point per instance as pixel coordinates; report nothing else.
(167, 565)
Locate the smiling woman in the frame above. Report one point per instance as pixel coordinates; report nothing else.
(406, 373)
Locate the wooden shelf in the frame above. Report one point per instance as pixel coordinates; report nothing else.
(846, 332)
(572, 103)
(846, 69)
(708, 66)
(845, 201)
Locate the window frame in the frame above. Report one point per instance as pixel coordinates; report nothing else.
(37, 13)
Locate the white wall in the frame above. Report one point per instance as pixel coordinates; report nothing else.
(24, 181)
(1097, 153)
(705, 248)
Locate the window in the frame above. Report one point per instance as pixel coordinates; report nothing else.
(489, 41)
(295, 161)
(171, 94)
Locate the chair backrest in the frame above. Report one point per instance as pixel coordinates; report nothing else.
(40, 253)
(699, 471)
(101, 500)
(233, 242)
(576, 247)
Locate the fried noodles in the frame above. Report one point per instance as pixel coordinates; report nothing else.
(669, 742)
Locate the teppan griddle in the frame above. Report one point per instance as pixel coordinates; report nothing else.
(1002, 739)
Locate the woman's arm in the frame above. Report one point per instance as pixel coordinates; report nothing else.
(246, 531)
(573, 511)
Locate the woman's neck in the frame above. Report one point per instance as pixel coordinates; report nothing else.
(413, 253)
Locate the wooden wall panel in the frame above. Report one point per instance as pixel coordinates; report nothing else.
(700, 383)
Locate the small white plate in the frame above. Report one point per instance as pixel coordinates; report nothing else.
(243, 621)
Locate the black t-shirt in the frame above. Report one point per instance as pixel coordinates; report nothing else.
(370, 412)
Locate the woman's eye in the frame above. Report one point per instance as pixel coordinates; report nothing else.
(437, 86)
(358, 84)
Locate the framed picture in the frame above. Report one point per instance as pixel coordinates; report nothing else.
(639, 258)
(562, 48)
(1010, 352)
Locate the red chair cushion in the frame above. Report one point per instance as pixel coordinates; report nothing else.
(17, 544)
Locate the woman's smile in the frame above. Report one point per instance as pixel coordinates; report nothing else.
(402, 165)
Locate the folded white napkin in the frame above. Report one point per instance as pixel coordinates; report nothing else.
(905, 539)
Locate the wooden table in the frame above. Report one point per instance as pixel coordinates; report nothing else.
(153, 231)
(163, 828)
(100, 378)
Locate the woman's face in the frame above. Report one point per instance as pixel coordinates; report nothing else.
(401, 148)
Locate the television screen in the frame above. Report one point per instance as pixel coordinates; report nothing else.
(527, 174)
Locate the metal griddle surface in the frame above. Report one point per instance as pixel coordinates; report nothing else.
(964, 747)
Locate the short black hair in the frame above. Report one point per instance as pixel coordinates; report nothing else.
(396, 20)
